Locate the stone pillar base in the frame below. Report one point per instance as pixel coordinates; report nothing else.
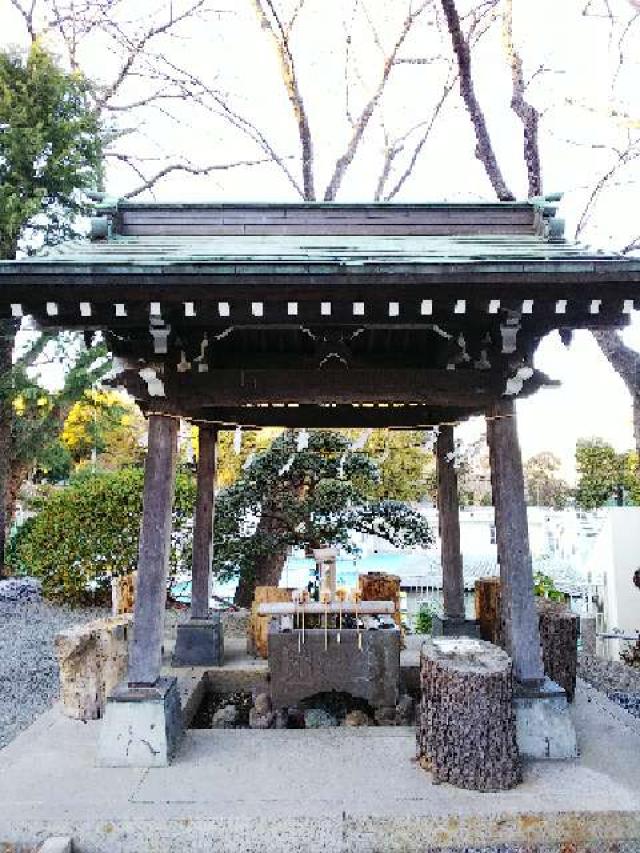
(199, 642)
(142, 726)
(446, 626)
(544, 728)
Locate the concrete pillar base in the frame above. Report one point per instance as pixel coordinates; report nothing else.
(446, 626)
(544, 727)
(199, 642)
(142, 726)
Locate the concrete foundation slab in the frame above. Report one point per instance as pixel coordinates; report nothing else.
(444, 626)
(250, 792)
(544, 727)
(142, 726)
(334, 661)
(199, 642)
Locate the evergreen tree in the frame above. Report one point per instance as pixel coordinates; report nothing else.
(303, 492)
(50, 153)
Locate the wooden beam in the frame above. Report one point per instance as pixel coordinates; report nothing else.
(522, 634)
(448, 509)
(154, 551)
(333, 417)
(227, 387)
(203, 523)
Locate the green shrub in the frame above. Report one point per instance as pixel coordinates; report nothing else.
(87, 532)
(544, 586)
(424, 618)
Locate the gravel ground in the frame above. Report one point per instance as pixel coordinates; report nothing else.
(28, 667)
(617, 680)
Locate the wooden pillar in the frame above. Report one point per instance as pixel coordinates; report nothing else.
(522, 635)
(155, 544)
(203, 523)
(448, 509)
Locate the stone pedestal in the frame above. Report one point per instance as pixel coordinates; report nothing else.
(544, 728)
(142, 726)
(199, 642)
(447, 626)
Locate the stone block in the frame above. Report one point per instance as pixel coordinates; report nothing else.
(142, 726)
(92, 660)
(199, 642)
(299, 670)
(544, 727)
(445, 626)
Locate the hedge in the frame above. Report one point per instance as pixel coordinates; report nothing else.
(86, 532)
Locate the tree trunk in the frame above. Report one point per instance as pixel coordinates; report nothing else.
(626, 363)
(268, 573)
(7, 338)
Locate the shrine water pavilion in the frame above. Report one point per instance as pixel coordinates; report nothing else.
(320, 315)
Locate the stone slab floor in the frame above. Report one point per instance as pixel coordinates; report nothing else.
(338, 790)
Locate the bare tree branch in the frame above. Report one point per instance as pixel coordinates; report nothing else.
(343, 162)
(527, 114)
(27, 16)
(422, 141)
(280, 38)
(186, 168)
(623, 158)
(484, 148)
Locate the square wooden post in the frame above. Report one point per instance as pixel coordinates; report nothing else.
(203, 523)
(143, 724)
(522, 635)
(448, 510)
(155, 544)
(199, 642)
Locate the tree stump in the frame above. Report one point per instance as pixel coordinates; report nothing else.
(488, 610)
(558, 632)
(379, 586)
(559, 638)
(466, 728)
(259, 625)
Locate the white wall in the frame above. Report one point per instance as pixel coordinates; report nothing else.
(624, 597)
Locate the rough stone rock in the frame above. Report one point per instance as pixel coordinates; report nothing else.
(93, 659)
(317, 718)
(466, 731)
(405, 711)
(20, 589)
(357, 718)
(262, 703)
(225, 717)
(261, 721)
